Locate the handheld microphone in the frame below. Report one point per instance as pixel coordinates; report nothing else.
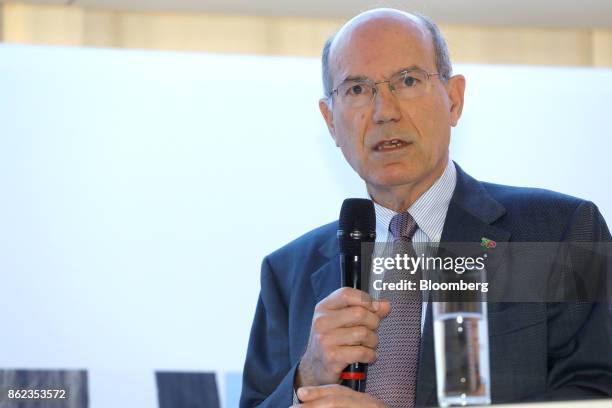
(357, 225)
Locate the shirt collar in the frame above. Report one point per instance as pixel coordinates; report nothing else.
(429, 210)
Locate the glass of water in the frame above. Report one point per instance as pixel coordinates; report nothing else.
(461, 340)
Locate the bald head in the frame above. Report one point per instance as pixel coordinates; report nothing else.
(375, 24)
(369, 22)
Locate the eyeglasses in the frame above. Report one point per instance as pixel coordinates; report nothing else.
(406, 85)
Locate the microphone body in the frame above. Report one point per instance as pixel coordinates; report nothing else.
(357, 226)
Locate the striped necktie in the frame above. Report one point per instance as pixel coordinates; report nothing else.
(392, 378)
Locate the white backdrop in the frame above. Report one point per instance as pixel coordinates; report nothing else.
(128, 178)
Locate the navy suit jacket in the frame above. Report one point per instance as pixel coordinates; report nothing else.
(538, 351)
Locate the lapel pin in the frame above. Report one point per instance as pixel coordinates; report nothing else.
(487, 243)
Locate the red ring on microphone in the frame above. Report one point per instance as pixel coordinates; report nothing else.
(352, 376)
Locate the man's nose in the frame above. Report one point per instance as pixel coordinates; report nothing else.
(386, 105)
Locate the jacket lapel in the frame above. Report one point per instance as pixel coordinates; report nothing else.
(326, 279)
(470, 215)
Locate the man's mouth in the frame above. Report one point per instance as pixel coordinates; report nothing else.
(390, 145)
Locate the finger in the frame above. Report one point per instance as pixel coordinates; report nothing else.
(345, 297)
(306, 394)
(342, 356)
(356, 354)
(343, 401)
(331, 401)
(347, 317)
(353, 336)
(384, 308)
(358, 316)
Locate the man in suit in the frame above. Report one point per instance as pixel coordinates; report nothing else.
(389, 105)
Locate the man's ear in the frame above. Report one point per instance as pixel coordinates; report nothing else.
(456, 89)
(326, 111)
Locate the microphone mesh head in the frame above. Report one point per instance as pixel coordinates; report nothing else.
(357, 214)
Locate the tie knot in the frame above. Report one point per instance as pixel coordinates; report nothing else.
(402, 225)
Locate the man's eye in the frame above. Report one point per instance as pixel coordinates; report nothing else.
(410, 81)
(356, 90)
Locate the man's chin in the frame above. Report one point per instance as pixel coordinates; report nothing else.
(387, 181)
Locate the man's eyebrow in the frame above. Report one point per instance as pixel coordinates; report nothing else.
(410, 68)
(355, 78)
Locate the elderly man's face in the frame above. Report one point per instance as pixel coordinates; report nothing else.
(391, 142)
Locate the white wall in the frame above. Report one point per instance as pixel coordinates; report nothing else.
(128, 179)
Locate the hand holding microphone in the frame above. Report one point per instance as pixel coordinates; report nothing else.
(344, 324)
